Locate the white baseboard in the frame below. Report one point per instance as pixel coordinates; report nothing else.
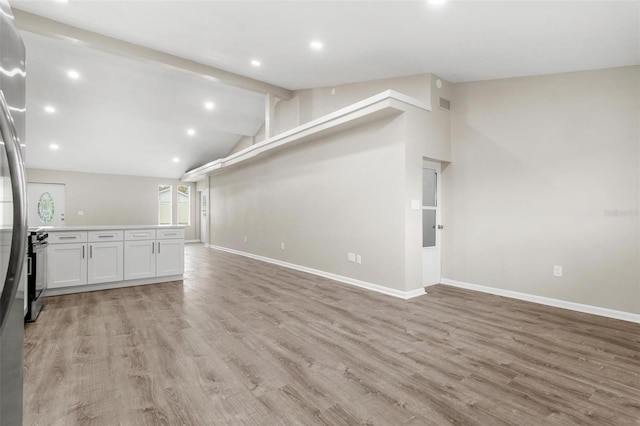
(109, 286)
(191, 241)
(572, 306)
(346, 280)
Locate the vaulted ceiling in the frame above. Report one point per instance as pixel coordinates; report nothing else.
(127, 116)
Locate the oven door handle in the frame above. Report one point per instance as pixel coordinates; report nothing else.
(18, 191)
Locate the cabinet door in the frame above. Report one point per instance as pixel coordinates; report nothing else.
(139, 259)
(67, 265)
(170, 257)
(105, 262)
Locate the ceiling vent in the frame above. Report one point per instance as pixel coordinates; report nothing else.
(444, 104)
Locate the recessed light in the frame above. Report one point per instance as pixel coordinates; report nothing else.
(73, 74)
(437, 1)
(209, 105)
(54, 147)
(316, 45)
(61, 1)
(49, 109)
(191, 132)
(256, 63)
(175, 159)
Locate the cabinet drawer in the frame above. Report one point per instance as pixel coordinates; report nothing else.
(67, 237)
(104, 236)
(139, 234)
(170, 234)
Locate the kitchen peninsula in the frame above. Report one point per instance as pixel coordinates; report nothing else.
(87, 258)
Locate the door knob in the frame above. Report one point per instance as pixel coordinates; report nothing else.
(440, 227)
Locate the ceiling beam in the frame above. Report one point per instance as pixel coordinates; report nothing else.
(48, 27)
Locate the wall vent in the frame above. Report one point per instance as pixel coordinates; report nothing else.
(444, 104)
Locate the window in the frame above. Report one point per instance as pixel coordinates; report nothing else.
(165, 194)
(184, 205)
(429, 206)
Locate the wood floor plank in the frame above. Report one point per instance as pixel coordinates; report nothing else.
(242, 342)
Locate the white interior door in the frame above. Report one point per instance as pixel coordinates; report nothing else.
(203, 217)
(431, 228)
(46, 204)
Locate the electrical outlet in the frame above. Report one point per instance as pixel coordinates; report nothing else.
(557, 270)
(245, 239)
(282, 246)
(351, 257)
(80, 212)
(359, 259)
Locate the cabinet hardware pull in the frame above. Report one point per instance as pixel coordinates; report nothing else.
(171, 233)
(83, 252)
(90, 252)
(153, 247)
(29, 264)
(68, 238)
(140, 235)
(106, 236)
(158, 247)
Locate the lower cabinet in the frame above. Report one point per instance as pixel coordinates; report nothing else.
(105, 262)
(145, 259)
(140, 259)
(67, 264)
(170, 257)
(94, 257)
(79, 264)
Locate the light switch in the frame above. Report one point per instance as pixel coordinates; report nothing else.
(351, 257)
(80, 212)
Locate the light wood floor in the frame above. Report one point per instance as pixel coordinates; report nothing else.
(245, 342)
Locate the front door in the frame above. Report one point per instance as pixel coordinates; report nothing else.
(46, 204)
(431, 189)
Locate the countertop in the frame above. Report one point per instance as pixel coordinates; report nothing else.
(106, 227)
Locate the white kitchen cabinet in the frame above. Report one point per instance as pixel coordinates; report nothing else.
(88, 258)
(139, 234)
(67, 237)
(153, 253)
(104, 236)
(67, 265)
(170, 234)
(170, 257)
(105, 262)
(140, 259)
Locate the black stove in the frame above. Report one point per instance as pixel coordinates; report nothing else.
(36, 272)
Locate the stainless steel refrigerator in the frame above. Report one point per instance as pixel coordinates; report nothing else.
(13, 217)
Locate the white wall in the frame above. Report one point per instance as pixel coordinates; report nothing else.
(112, 199)
(307, 105)
(322, 199)
(538, 165)
(543, 171)
(349, 192)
